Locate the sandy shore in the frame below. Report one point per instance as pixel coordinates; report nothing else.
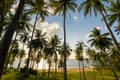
(71, 69)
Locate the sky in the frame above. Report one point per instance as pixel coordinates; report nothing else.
(78, 27)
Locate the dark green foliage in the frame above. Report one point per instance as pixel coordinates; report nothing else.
(30, 70)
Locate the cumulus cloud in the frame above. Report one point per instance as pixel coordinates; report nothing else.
(75, 18)
(50, 29)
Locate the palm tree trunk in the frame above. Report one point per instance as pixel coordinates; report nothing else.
(49, 69)
(28, 60)
(5, 43)
(64, 66)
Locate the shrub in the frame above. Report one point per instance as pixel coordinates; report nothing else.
(30, 70)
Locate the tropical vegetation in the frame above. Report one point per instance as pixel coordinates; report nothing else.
(22, 39)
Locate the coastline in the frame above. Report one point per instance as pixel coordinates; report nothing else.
(70, 69)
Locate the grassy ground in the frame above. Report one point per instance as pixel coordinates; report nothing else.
(73, 74)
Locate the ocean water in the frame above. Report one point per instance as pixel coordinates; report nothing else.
(71, 63)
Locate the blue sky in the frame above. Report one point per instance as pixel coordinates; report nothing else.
(77, 26)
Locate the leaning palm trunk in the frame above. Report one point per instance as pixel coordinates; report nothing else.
(5, 43)
(110, 31)
(9, 54)
(113, 38)
(28, 60)
(55, 64)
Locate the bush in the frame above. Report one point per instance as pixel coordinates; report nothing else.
(30, 70)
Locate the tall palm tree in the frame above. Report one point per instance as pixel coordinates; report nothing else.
(54, 44)
(79, 56)
(37, 7)
(63, 7)
(97, 6)
(38, 44)
(99, 41)
(48, 54)
(113, 16)
(6, 40)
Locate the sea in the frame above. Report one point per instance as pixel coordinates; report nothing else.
(71, 63)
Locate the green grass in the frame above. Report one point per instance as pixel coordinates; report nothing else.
(71, 75)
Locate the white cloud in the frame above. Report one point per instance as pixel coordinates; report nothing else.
(50, 29)
(75, 18)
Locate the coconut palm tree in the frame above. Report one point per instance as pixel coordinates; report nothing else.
(6, 40)
(37, 7)
(79, 56)
(48, 55)
(96, 6)
(63, 7)
(55, 46)
(113, 16)
(61, 53)
(38, 44)
(99, 41)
